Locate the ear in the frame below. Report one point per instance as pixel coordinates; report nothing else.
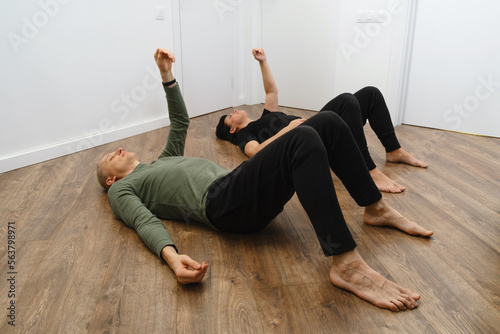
(110, 180)
(232, 131)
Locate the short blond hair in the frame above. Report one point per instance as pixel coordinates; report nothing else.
(102, 176)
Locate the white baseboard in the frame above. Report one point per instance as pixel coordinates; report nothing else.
(58, 150)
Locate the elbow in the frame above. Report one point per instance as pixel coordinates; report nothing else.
(179, 125)
(182, 123)
(251, 148)
(250, 153)
(272, 92)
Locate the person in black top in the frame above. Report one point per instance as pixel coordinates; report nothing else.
(301, 161)
(355, 109)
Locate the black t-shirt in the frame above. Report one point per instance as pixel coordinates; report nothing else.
(269, 124)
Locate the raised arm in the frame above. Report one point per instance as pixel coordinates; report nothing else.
(270, 86)
(179, 118)
(164, 59)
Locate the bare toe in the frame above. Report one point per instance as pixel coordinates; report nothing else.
(384, 183)
(402, 156)
(350, 272)
(381, 214)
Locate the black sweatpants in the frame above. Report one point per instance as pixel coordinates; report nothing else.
(355, 109)
(248, 198)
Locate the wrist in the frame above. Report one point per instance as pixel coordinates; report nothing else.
(168, 253)
(166, 76)
(169, 84)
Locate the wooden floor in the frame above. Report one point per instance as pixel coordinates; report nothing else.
(79, 270)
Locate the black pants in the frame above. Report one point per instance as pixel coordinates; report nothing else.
(355, 109)
(253, 194)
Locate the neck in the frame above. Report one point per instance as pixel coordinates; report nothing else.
(135, 164)
(131, 169)
(245, 123)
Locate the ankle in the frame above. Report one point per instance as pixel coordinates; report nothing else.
(346, 260)
(376, 207)
(396, 153)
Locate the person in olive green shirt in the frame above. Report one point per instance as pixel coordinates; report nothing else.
(247, 198)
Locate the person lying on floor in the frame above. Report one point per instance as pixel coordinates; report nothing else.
(248, 198)
(355, 109)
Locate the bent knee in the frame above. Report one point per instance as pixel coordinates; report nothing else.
(348, 98)
(329, 119)
(371, 90)
(306, 134)
(304, 131)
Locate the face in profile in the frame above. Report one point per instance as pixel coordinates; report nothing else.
(235, 120)
(117, 165)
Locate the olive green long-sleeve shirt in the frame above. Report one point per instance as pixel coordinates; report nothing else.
(173, 187)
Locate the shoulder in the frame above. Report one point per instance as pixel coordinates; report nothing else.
(127, 185)
(245, 133)
(119, 189)
(265, 112)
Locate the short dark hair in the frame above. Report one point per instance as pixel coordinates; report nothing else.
(222, 131)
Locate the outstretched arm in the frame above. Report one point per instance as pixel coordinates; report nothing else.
(270, 86)
(253, 146)
(130, 209)
(179, 118)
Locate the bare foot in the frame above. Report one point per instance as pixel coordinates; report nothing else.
(384, 183)
(381, 214)
(350, 272)
(401, 155)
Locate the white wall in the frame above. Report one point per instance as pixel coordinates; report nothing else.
(78, 74)
(454, 79)
(317, 50)
(207, 56)
(301, 39)
(85, 76)
(217, 38)
(371, 54)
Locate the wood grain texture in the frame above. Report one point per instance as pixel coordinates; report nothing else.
(82, 271)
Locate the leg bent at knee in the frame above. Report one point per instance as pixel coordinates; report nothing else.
(328, 121)
(348, 101)
(370, 90)
(305, 133)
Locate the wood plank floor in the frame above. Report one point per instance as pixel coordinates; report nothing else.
(80, 270)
